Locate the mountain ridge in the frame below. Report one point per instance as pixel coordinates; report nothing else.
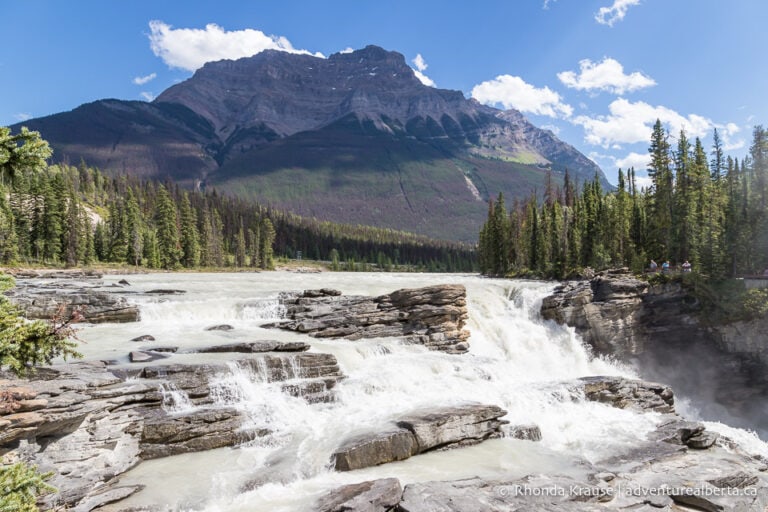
(359, 127)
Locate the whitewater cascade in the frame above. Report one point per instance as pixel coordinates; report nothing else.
(516, 361)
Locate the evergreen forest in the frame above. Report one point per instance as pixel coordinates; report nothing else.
(63, 215)
(700, 206)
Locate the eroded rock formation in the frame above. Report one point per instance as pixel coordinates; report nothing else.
(661, 329)
(88, 424)
(433, 316)
(441, 428)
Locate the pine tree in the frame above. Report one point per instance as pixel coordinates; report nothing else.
(190, 239)
(267, 232)
(134, 229)
(8, 240)
(661, 205)
(240, 250)
(168, 238)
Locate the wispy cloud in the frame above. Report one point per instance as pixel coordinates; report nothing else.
(22, 116)
(551, 127)
(148, 96)
(190, 48)
(615, 12)
(419, 62)
(547, 2)
(421, 66)
(348, 49)
(607, 75)
(141, 80)
(513, 92)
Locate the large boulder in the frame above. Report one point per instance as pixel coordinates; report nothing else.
(637, 395)
(433, 316)
(419, 432)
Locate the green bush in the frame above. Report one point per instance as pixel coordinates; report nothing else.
(24, 344)
(20, 486)
(755, 303)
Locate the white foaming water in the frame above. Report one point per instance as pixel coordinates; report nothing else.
(516, 361)
(175, 401)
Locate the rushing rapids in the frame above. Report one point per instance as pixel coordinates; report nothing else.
(516, 361)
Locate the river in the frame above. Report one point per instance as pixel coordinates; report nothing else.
(515, 361)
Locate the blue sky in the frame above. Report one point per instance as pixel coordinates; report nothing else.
(597, 72)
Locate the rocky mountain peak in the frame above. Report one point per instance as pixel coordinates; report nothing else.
(355, 137)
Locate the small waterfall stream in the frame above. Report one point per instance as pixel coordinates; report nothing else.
(516, 361)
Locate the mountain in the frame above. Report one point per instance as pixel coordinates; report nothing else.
(352, 138)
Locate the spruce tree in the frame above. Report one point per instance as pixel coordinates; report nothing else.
(190, 239)
(168, 237)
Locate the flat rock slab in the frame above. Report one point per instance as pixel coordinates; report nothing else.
(447, 427)
(433, 316)
(372, 496)
(256, 346)
(633, 394)
(376, 448)
(144, 337)
(203, 429)
(140, 356)
(221, 327)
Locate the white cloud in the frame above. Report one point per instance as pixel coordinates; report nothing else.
(629, 123)
(546, 3)
(727, 132)
(513, 92)
(607, 75)
(424, 78)
(616, 12)
(636, 160)
(348, 49)
(419, 62)
(141, 80)
(23, 116)
(421, 66)
(148, 96)
(190, 48)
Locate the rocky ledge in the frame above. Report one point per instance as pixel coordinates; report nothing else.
(419, 432)
(655, 327)
(433, 316)
(678, 466)
(70, 296)
(89, 424)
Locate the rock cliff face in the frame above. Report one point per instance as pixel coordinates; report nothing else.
(659, 328)
(433, 316)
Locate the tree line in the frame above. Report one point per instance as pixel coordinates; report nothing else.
(702, 207)
(67, 215)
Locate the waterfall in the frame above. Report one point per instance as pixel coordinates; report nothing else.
(516, 361)
(175, 401)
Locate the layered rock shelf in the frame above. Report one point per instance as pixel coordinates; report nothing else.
(679, 466)
(442, 428)
(662, 330)
(433, 316)
(75, 296)
(88, 424)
